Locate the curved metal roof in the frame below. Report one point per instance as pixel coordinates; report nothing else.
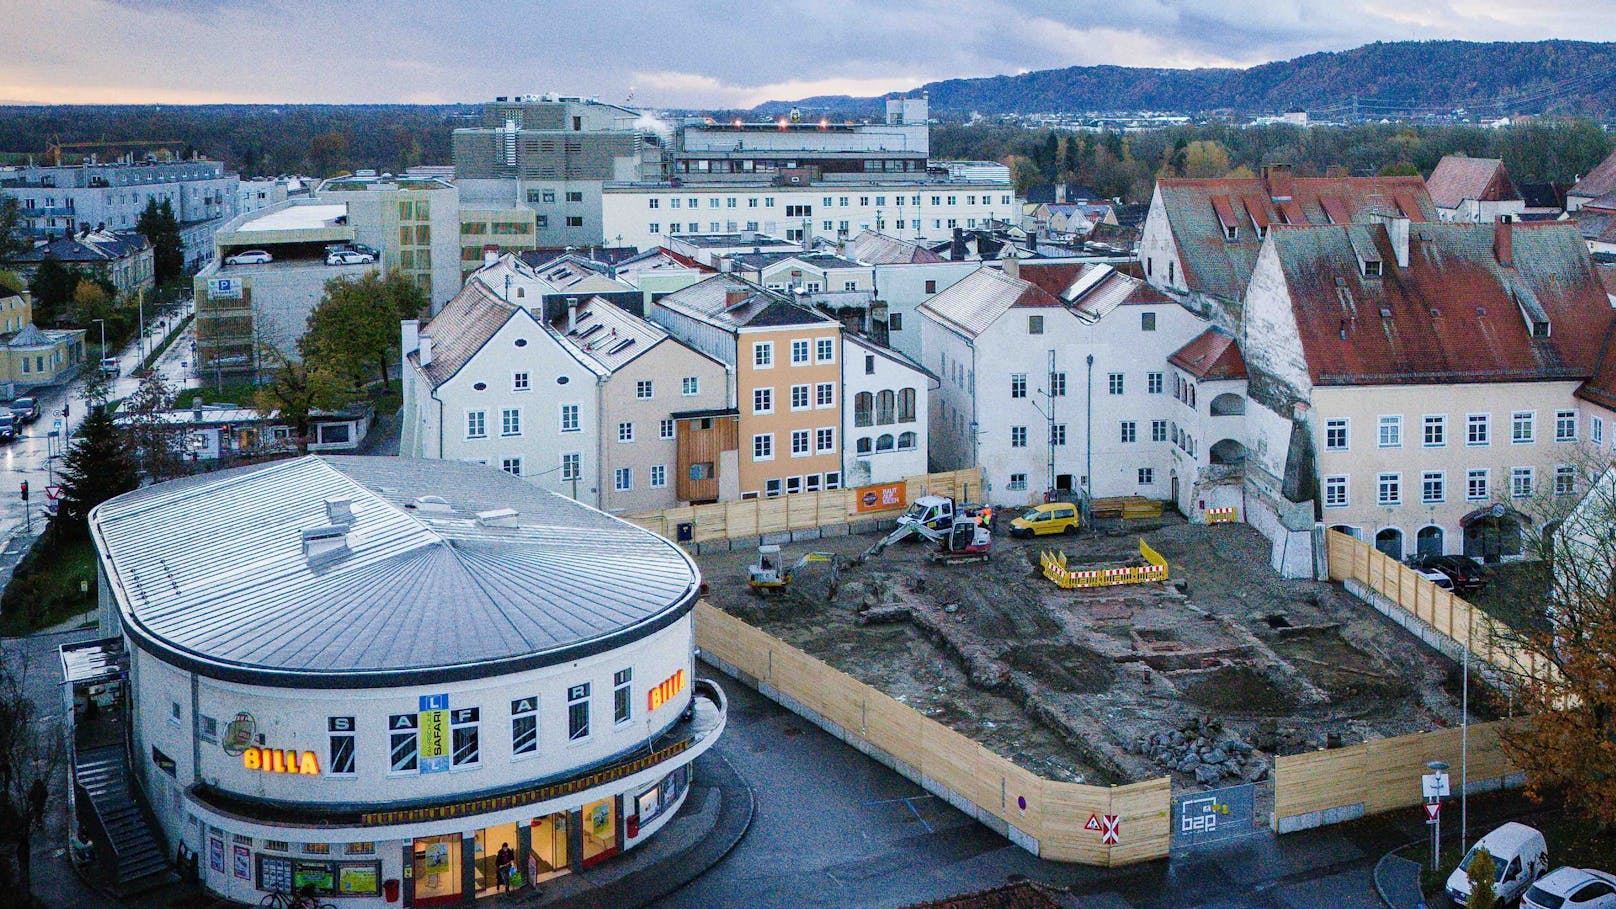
(210, 573)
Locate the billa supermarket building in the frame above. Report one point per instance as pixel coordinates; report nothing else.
(370, 674)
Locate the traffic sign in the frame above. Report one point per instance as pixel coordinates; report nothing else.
(1434, 785)
(1110, 830)
(1093, 822)
(1433, 810)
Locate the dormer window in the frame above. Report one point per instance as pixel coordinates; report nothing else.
(1226, 217)
(1231, 232)
(1371, 267)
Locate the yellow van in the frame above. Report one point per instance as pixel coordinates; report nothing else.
(1054, 517)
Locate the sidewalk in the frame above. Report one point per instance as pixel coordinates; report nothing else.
(1397, 874)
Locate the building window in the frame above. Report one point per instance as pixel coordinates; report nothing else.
(1057, 434)
(1477, 430)
(525, 726)
(825, 395)
(763, 447)
(895, 321)
(1335, 492)
(1520, 482)
(1335, 435)
(519, 382)
(799, 443)
(625, 432)
(569, 418)
(864, 445)
(1018, 437)
(1114, 384)
(690, 386)
(1018, 481)
(665, 429)
(1035, 325)
(578, 712)
(575, 221)
(763, 354)
(1153, 383)
(1147, 321)
(1596, 430)
(1130, 431)
(1147, 476)
(1436, 431)
(477, 424)
(1565, 426)
(886, 404)
(1476, 485)
(644, 389)
(659, 476)
(1565, 480)
(405, 736)
(571, 466)
(1521, 430)
(341, 729)
(771, 488)
(931, 287)
(1433, 487)
(1158, 430)
(510, 422)
(512, 466)
(1018, 385)
(825, 350)
(864, 409)
(622, 700)
(1390, 489)
(1390, 432)
(799, 397)
(463, 726)
(1057, 384)
(906, 405)
(763, 400)
(623, 479)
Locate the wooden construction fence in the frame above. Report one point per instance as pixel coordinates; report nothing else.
(1340, 784)
(802, 511)
(1055, 569)
(1046, 817)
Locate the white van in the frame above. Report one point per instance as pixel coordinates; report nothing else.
(1520, 855)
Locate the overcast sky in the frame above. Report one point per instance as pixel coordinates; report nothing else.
(681, 53)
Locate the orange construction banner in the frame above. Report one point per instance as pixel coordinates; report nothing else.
(884, 497)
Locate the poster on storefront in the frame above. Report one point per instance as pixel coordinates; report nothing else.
(243, 862)
(434, 733)
(600, 819)
(436, 860)
(316, 874)
(884, 497)
(216, 854)
(357, 879)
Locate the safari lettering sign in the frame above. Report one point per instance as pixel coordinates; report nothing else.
(880, 498)
(666, 691)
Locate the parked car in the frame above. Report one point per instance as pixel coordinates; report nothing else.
(25, 410)
(1572, 888)
(1051, 517)
(353, 247)
(1466, 573)
(110, 366)
(348, 257)
(250, 257)
(8, 427)
(1520, 856)
(1435, 577)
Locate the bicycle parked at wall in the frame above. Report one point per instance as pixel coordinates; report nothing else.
(302, 899)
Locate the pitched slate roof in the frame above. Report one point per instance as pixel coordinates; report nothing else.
(211, 572)
(96, 246)
(977, 300)
(757, 308)
(1598, 182)
(1456, 313)
(1601, 386)
(461, 329)
(1197, 211)
(873, 248)
(1458, 178)
(1213, 355)
(608, 335)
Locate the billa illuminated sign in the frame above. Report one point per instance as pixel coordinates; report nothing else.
(665, 692)
(274, 760)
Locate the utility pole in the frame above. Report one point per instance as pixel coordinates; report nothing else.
(1048, 391)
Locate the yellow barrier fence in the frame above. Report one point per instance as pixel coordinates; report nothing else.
(1055, 569)
(1046, 817)
(1228, 515)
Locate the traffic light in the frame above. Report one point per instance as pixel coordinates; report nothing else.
(25, 490)
(65, 408)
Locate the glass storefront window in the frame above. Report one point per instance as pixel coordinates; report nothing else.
(437, 870)
(600, 830)
(489, 842)
(549, 855)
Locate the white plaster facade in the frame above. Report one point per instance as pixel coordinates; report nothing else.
(885, 435)
(903, 287)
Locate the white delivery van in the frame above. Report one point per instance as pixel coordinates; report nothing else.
(1520, 856)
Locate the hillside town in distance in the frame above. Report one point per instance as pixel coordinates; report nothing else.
(876, 502)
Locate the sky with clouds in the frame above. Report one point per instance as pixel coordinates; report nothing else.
(681, 53)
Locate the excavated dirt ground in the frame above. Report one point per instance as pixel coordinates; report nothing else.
(1068, 683)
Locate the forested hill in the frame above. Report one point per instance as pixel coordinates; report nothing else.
(1388, 79)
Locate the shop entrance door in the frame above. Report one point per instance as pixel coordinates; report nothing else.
(437, 870)
(549, 856)
(489, 841)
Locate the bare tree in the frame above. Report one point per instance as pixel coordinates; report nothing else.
(31, 754)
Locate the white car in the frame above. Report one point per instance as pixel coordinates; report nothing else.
(349, 257)
(250, 257)
(1572, 888)
(1435, 577)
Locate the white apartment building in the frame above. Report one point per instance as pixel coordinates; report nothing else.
(888, 409)
(1047, 391)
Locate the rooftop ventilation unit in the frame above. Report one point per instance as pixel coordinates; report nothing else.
(498, 517)
(431, 503)
(339, 510)
(324, 545)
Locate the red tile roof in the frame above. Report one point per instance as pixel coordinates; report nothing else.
(1454, 313)
(1212, 356)
(1599, 182)
(1601, 386)
(1458, 178)
(1199, 210)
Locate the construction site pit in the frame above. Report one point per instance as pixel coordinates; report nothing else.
(1205, 677)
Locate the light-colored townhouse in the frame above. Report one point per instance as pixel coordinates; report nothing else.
(1420, 381)
(1049, 391)
(1477, 190)
(812, 272)
(884, 422)
(778, 350)
(1597, 183)
(906, 275)
(1207, 378)
(655, 273)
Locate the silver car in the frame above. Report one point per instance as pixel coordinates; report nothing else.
(1572, 888)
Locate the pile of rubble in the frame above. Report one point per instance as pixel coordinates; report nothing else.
(1203, 750)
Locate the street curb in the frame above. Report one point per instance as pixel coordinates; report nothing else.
(1380, 889)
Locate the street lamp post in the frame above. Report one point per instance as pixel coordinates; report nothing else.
(103, 338)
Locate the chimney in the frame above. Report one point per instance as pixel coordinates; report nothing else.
(1060, 193)
(196, 409)
(572, 314)
(1032, 241)
(1397, 232)
(1012, 265)
(733, 296)
(956, 250)
(490, 254)
(1504, 244)
(409, 336)
(1277, 177)
(425, 349)
(339, 511)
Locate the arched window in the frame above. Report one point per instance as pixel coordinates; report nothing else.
(884, 405)
(863, 408)
(884, 443)
(906, 406)
(864, 445)
(1429, 541)
(906, 441)
(1390, 541)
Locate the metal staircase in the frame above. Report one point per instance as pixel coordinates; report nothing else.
(110, 814)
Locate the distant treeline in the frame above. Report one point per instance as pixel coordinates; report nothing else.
(1126, 166)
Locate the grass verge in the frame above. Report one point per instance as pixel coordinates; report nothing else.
(44, 590)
